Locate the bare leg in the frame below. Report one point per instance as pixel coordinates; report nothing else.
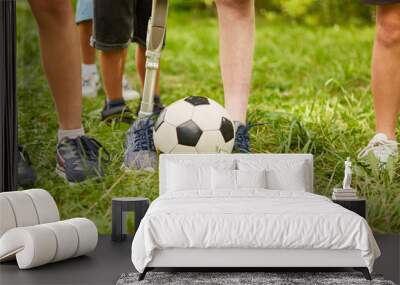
(59, 44)
(236, 27)
(386, 69)
(112, 64)
(88, 53)
(141, 67)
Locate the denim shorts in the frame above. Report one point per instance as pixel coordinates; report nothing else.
(84, 11)
(116, 23)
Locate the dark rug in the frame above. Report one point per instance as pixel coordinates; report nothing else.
(269, 278)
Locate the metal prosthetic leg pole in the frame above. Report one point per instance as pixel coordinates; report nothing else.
(140, 152)
(154, 44)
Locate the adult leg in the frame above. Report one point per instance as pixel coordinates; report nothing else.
(386, 69)
(385, 83)
(237, 28)
(59, 44)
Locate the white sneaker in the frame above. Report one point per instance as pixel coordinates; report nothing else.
(128, 93)
(381, 147)
(90, 85)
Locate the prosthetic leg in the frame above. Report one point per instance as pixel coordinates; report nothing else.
(140, 151)
(154, 44)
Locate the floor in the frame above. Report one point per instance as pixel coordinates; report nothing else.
(110, 260)
(103, 266)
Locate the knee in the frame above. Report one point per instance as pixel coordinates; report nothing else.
(388, 30)
(53, 12)
(241, 8)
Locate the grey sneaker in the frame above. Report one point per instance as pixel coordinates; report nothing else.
(381, 147)
(140, 152)
(79, 159)
(242, 140)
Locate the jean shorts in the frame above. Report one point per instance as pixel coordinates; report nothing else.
(84, 11)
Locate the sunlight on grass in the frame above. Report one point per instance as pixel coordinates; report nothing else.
(310, 92)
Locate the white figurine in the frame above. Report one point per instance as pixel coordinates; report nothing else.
(347, 174)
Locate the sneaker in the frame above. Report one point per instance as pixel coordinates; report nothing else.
(26, 175)
(242, 140)
(140, 152)
(381, 147)
(116, 111)
(157, 107)
(128, 93)
(90, 85)
(79, 159)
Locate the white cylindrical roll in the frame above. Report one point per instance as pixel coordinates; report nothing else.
(87, 234)
(34, 246)
(24, 210)
(45, 205)
(7, 218)
(67, 240)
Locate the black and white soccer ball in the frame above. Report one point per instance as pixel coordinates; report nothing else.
(194, 124)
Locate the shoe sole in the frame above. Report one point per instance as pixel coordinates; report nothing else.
(61, 172)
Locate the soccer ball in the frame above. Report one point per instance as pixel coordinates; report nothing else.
(194, 124)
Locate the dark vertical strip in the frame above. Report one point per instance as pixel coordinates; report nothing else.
(8, 100)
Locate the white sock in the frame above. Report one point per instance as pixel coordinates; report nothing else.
(88, 69)
(74, 133)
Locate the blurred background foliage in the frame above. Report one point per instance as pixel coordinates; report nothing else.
(311, 12)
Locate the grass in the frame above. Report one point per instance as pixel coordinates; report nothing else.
(310, 88)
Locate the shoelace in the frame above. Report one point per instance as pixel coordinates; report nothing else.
(374, 145)
(88, 148)
(143, 136)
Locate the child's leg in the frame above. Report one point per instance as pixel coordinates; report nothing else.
(88, 53)
(236, 25)
(84, 20)
(113, 27)
(59, 43)
(112, 64)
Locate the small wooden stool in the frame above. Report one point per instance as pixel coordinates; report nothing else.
(122, 205)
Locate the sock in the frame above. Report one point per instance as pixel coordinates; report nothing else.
(115, 103)
(88, 69)
(74, 133)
